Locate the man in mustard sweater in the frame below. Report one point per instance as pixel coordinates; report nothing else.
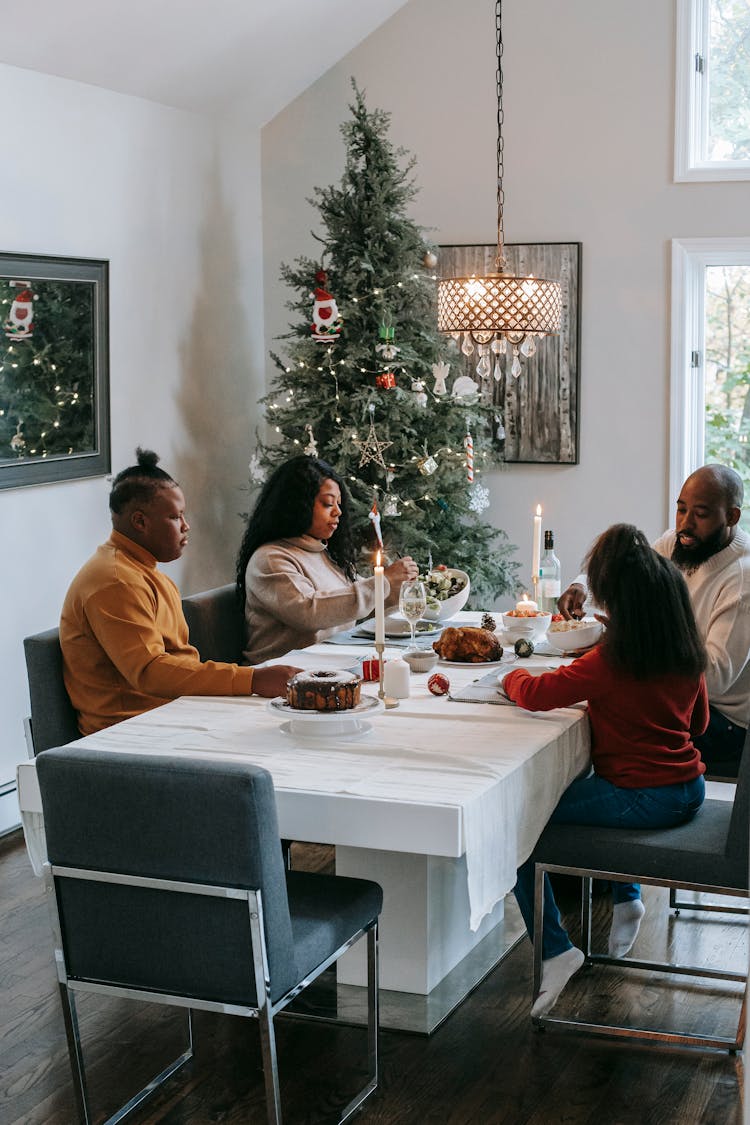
(123, 634)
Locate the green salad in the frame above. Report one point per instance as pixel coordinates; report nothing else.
(440, 585)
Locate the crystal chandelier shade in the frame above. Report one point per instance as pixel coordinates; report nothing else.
(499, 309)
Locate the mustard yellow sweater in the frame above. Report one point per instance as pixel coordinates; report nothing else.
(125, 640)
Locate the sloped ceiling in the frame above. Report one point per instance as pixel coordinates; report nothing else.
(195, 56)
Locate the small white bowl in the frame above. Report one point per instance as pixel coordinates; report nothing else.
(451, 606)
(582, 634)
(532, 628)
(422, 661)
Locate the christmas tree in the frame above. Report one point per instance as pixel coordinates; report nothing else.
(364, 385)
(46, 364)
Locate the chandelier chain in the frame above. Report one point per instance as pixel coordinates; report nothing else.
(500, 253)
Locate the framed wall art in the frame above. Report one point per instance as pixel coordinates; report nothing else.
(54, 369)
(536, 413)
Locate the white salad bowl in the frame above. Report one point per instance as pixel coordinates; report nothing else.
(450, 606)
(572, 636)
(530, 628)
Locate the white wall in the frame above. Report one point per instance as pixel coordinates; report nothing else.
(588, 97)
(96, 174)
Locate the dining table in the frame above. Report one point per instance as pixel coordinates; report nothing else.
(439, 799)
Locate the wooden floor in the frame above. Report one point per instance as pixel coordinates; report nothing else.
(485, 1066)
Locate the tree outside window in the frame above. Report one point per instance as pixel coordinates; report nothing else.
(727, 370)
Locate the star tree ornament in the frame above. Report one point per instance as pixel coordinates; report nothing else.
(371, 449)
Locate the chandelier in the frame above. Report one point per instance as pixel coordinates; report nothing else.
(499, 310)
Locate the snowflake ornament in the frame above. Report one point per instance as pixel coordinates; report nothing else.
(479, 498)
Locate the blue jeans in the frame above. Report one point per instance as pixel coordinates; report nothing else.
(721, 745)
(592, 800)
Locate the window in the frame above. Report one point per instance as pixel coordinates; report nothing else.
(710, 409)
(712, 102)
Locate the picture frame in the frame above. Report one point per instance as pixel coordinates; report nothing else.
(537, 414)
(54, 369)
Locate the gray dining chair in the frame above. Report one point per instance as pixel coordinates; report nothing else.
(166, 884)
(709, 853)
(216, 624)
(53, 720)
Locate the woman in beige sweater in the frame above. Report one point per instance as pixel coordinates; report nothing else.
(295, 569)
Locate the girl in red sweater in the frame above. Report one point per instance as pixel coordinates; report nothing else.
(646, 700)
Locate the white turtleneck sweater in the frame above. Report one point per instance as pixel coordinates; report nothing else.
(296, 596)
(720, 593)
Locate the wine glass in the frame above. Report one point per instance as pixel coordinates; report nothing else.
(412, 602)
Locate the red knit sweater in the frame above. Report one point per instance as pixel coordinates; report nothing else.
(640, 729)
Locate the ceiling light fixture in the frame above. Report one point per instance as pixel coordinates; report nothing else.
(499, 309)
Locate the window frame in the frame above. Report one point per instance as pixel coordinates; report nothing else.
(691, 100)
(690, 257)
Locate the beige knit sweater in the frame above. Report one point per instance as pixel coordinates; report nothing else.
(297, 596)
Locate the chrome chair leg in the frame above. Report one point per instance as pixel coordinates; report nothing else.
(75, 1052)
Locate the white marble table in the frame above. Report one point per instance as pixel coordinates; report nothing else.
(440, 803)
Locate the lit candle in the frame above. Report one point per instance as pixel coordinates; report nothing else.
(379, 602)
(526, 605)
(536, 545)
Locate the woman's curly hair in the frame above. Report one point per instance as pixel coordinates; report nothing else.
(284, 510)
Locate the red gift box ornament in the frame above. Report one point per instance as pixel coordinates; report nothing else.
(386, 380)
(371, 669)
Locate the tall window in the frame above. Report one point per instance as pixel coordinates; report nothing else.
(710, 419)
(712, 103)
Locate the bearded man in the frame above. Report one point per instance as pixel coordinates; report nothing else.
(713, 553)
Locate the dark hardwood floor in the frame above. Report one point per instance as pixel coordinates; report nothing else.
(485, 1066)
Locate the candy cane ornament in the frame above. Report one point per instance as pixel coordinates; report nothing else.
(469, 447)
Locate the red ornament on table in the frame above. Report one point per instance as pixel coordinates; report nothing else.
(386, 380)
(439, 684)
(370, 669)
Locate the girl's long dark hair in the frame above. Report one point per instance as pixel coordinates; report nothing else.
(652, 630)
(284, 510)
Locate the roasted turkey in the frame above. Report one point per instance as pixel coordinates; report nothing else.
(468, 645)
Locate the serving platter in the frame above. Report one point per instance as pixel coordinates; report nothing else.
(322, 726)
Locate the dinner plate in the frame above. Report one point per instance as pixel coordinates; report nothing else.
(478, 663)
(399, 627)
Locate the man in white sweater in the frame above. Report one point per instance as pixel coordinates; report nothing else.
(713, 554)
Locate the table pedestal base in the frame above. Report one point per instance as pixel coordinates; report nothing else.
(424, 926)
(408, 1011)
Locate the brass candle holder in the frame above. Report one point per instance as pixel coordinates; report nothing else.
(388, 701)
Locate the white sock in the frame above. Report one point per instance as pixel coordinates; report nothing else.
(556, 972)
(626, 921)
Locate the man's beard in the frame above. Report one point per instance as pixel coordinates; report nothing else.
(688, 560)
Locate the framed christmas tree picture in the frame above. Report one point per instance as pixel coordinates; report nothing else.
(54, 369)
(536, 412)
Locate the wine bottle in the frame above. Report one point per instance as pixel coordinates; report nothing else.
(549, 575)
